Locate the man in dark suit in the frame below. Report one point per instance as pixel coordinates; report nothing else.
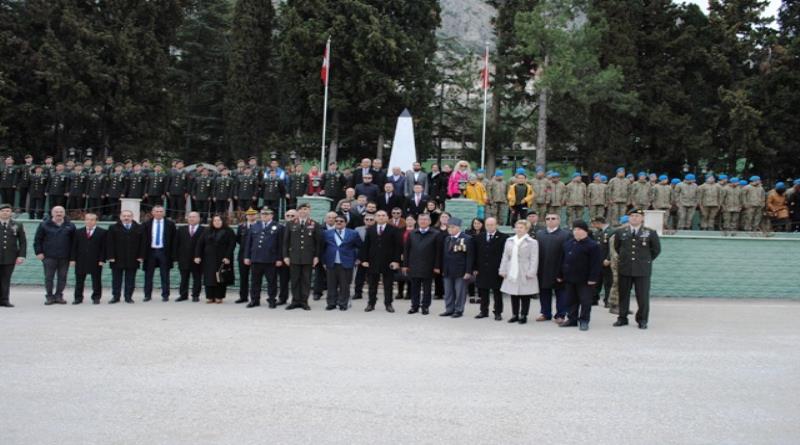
(551, 241)
(638, 246)
(352, 218)
(340, 256)
(242, 232)
(488, 255)
(380, 254)
(458, 259)
(301, 245)
(159, 236)
(262, 255)
(12, 251)
(602, 234)
(365, 168)
(389, 199)
(125, 251)
(185, 243)
(421, 260)
(88, 257)
(378, 173)
(368, 189)
(416, 202)
(580, 273)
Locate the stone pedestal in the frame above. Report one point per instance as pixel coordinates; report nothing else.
(463, 209)
(655, 219)
(320, 205)
(132, 204)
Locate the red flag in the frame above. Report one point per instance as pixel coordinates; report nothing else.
(326, 63)
(485, 70)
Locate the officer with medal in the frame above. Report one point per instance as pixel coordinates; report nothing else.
(637, 246)
(12, 251)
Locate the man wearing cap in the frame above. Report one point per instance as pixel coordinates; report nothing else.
(273, 189)
(38, 193)
(57, 187)
(575, 198)
(731, 205)
(243, 231)
(8, 181)
(520, 197)
(301, 247)
(155, 187)
(541, 191)
(709, 197)
(618, 195)
(245, 191)
(637, 246)
(340, 255)
(223, 192)
(686, 198)
(558, 194)
(498, 195)
(24, 173)
(380, 254)
(13, 246)
(597, 196)
(177, 191)
(580, 273)
(76, 189)
(641, 192)
(753, 200)
(137, 183)
(333, 184)
(458, 259)
(777, 209)
(262, 256)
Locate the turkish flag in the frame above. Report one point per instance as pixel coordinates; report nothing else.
(485, 71)
(326, 63)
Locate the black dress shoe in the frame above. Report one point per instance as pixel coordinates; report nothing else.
(77, 302)
(49, 302)
(181, 299)
(195, 299)
(317, 297)
(498, 317)
(129, 300)
(369, 308)
(281, 302)
(6, 305)
(253, 304)
(292, 306)
(446, 314)
(342, 308)
(305, 307)
(413, 311)
(389, 308)
(482, 315)
(425, 311)
(164, 299)
(583, 326)
(457, 315)
(147, 299)
(95, 301)
(241, 300)
(568, 324)
(113, 301)
(620, 322)
(330, 307)
(642, 325)
(514, 319)
(523, 320)
(61, 301)
(357, 297)
(272, 305)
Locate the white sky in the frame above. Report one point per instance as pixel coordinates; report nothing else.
(772, 8)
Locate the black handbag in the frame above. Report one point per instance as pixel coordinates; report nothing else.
(225, 275)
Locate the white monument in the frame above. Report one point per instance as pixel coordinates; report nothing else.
(404, 152)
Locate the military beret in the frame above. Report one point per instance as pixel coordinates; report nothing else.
(498, 173)
(576, 175)
(5, 206)
(735, 179)
(636, 211)
(755, 178)
(675, 181)
(620, 169)
(742, 182)
(556, 174)
(780, 186)
(539, 169)
(663, 178)
(641, 174)
(629, 175)
(520, 171)
(250, 211)
(690, 177)
(596, 175)
(721, 177)
(623, 219)
(603, 178)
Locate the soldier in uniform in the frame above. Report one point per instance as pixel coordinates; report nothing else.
(638, 246)
(12, 251)
(38, 193)
(709, 197)
(202, 188)
(252, 162)
(24, 183)
(57, 186)
(618, 196)
(541, 191)
(731, 205)
(333, 184)
(137, 180)
(602, 234)
(298, 184)
(263, 255)
(95, 189)
(117, 186)
(498, 196)
(76, 190)
(8, 181)
(558, 194)
(753, 201)
(641, 193)
(686, 200)
(662, 196)
(301, 244)
(48, 167)
(272, 190)
(223, 192)
(575, 198)
(242, 234)
(177, 191)
(597, 196)
(155, 187)
(246, 190)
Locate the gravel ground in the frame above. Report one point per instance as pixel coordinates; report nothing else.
(707, 371)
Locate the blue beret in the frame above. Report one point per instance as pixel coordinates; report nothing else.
(576, 175)
(780, 186)
(498, 173)
(555, 174)
(597, 175)
(721, 177)
(539, 169)
(623, 219)
(520, 171)
(603, 178)
(755, 178)
(641, 174)
(481, 170)
(690, 177)
(675, 181)
(742, 182)
(663, 178)
(620, 169)
(797, 181)
(734, 179)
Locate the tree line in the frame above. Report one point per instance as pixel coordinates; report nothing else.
(592, 83)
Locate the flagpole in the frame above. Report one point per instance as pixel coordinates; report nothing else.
(485, 85)
(325, 104)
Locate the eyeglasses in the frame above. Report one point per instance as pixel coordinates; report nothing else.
(551, 218)
(395, 213)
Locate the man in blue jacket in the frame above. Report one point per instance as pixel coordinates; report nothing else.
(263, 255)
(458, 257)
(580, 272)
(53, 247)
(340, 255)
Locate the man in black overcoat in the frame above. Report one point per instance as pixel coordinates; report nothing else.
(186, 239)
(489, 248)
(125, 251)
(88, 256)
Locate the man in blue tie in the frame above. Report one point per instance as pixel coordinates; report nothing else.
(159, 240)
(340, 256)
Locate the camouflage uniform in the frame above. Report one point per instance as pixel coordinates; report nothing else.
(709, 196)
(731, 206)
(597, 198)
(618, 198)
(575, 200)
(686, 199)
(498, 206)
(753, 200)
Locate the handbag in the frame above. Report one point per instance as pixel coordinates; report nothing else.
(225, 275)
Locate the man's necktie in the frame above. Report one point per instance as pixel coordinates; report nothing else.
(158, 233)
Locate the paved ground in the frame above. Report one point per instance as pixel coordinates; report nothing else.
(707, 371)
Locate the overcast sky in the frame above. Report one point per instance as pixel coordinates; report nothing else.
(772, 8)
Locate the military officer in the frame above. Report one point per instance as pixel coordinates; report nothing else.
(242, 234)
(223, 191)
(57, 186)
(575, 198)
(597, 196)
(686, 200)
(8, 181)
(753, 202)
(38, 193)
(301, 245)
(637, 246)
(24, 173)
(272, 190)
(177, 191)
(12, 251)
(135, 185)
(731, 205)
(298, 185)
(155, 187)
(262, 254)
(246, 190)
(618, 196)
(602, 234)
(95, 189)
(202, 188)
(117, 186)
(76, 189)
(333, 184)
(709, 198)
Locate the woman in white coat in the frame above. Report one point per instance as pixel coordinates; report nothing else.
(518, 268)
